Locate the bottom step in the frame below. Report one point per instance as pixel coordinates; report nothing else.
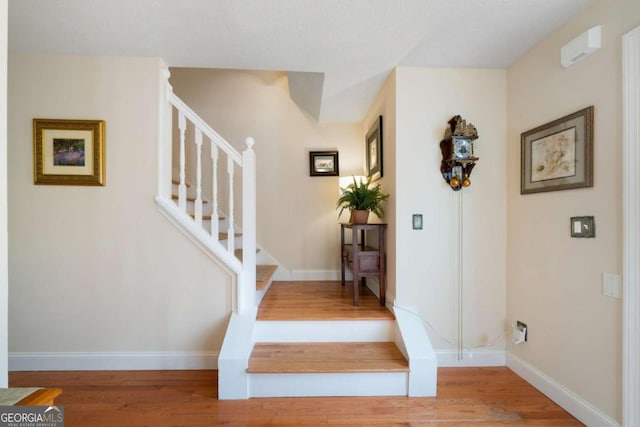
(327, 369)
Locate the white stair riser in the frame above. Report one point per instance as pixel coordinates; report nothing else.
(325, 331)
(328, 384)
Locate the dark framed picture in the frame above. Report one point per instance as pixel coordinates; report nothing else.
(373, 143)
(558, 155)
(323, 163)
(68, 152)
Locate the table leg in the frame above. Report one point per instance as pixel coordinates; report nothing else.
(342, 254)
(356, 268)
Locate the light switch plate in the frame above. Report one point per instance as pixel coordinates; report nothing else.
(611, 285)
(583, 226)
(416, 221)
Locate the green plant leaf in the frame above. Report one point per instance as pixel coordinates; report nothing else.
(362, 196)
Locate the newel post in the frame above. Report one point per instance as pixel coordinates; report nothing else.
(164, 136)
(247, 285)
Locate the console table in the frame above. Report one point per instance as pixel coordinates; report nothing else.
(364, 261)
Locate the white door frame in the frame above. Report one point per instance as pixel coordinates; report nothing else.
(631, 227)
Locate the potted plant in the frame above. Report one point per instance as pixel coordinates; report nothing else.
(362, 198)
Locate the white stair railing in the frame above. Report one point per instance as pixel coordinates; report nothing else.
(192, 129)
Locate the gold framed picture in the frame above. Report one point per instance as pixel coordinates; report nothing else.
(68, 152)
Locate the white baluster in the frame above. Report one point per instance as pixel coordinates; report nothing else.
(214, 183)
(230, 231)
(182, 187)
(198, 207)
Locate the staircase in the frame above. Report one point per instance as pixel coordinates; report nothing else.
(260, 357)
(195, 152)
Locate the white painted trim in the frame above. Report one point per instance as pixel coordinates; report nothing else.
(631, 227)
(112, 361)
(449, 358)
(325, 331)
(329, 384)
(203, 126)
(413, 342)
(233, 379)
(208, 244)
(571, 402)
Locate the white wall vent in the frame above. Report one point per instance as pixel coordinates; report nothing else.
(581, 47)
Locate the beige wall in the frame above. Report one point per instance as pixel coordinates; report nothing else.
(99, 269)
(427, 260)
(385, 105)
(555, 280)
(297, 222)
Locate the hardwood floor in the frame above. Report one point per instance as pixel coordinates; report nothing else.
(466, 396)
(322, 300)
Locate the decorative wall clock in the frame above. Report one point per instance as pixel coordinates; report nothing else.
(458, 158)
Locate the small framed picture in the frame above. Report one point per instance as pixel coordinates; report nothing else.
(323, 163)
(68, 152)
(373, 143)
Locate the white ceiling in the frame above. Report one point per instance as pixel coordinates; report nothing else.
(353, 43)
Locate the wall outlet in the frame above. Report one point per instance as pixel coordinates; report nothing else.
(519, 332)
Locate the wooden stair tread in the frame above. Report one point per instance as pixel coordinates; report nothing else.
(263, 274)
(207, 217)
(238, 253)
(340, 357)
(189, 199)
(177, 182)
(225, 235)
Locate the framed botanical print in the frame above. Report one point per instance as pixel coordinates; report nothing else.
(558, 155)
(373, 142)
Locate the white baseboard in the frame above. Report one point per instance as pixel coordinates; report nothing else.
(449, 358)
(315, 275)
(571, 402)
(113, 361)
(284, 275)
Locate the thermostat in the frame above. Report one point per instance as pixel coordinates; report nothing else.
(583, 226)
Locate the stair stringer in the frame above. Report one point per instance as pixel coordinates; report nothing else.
(283, 274)
(413, 341)
(262, 257)
(198, 235)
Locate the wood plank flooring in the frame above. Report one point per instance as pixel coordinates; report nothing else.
(466, 396)
(319, 300)
(327, 357)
